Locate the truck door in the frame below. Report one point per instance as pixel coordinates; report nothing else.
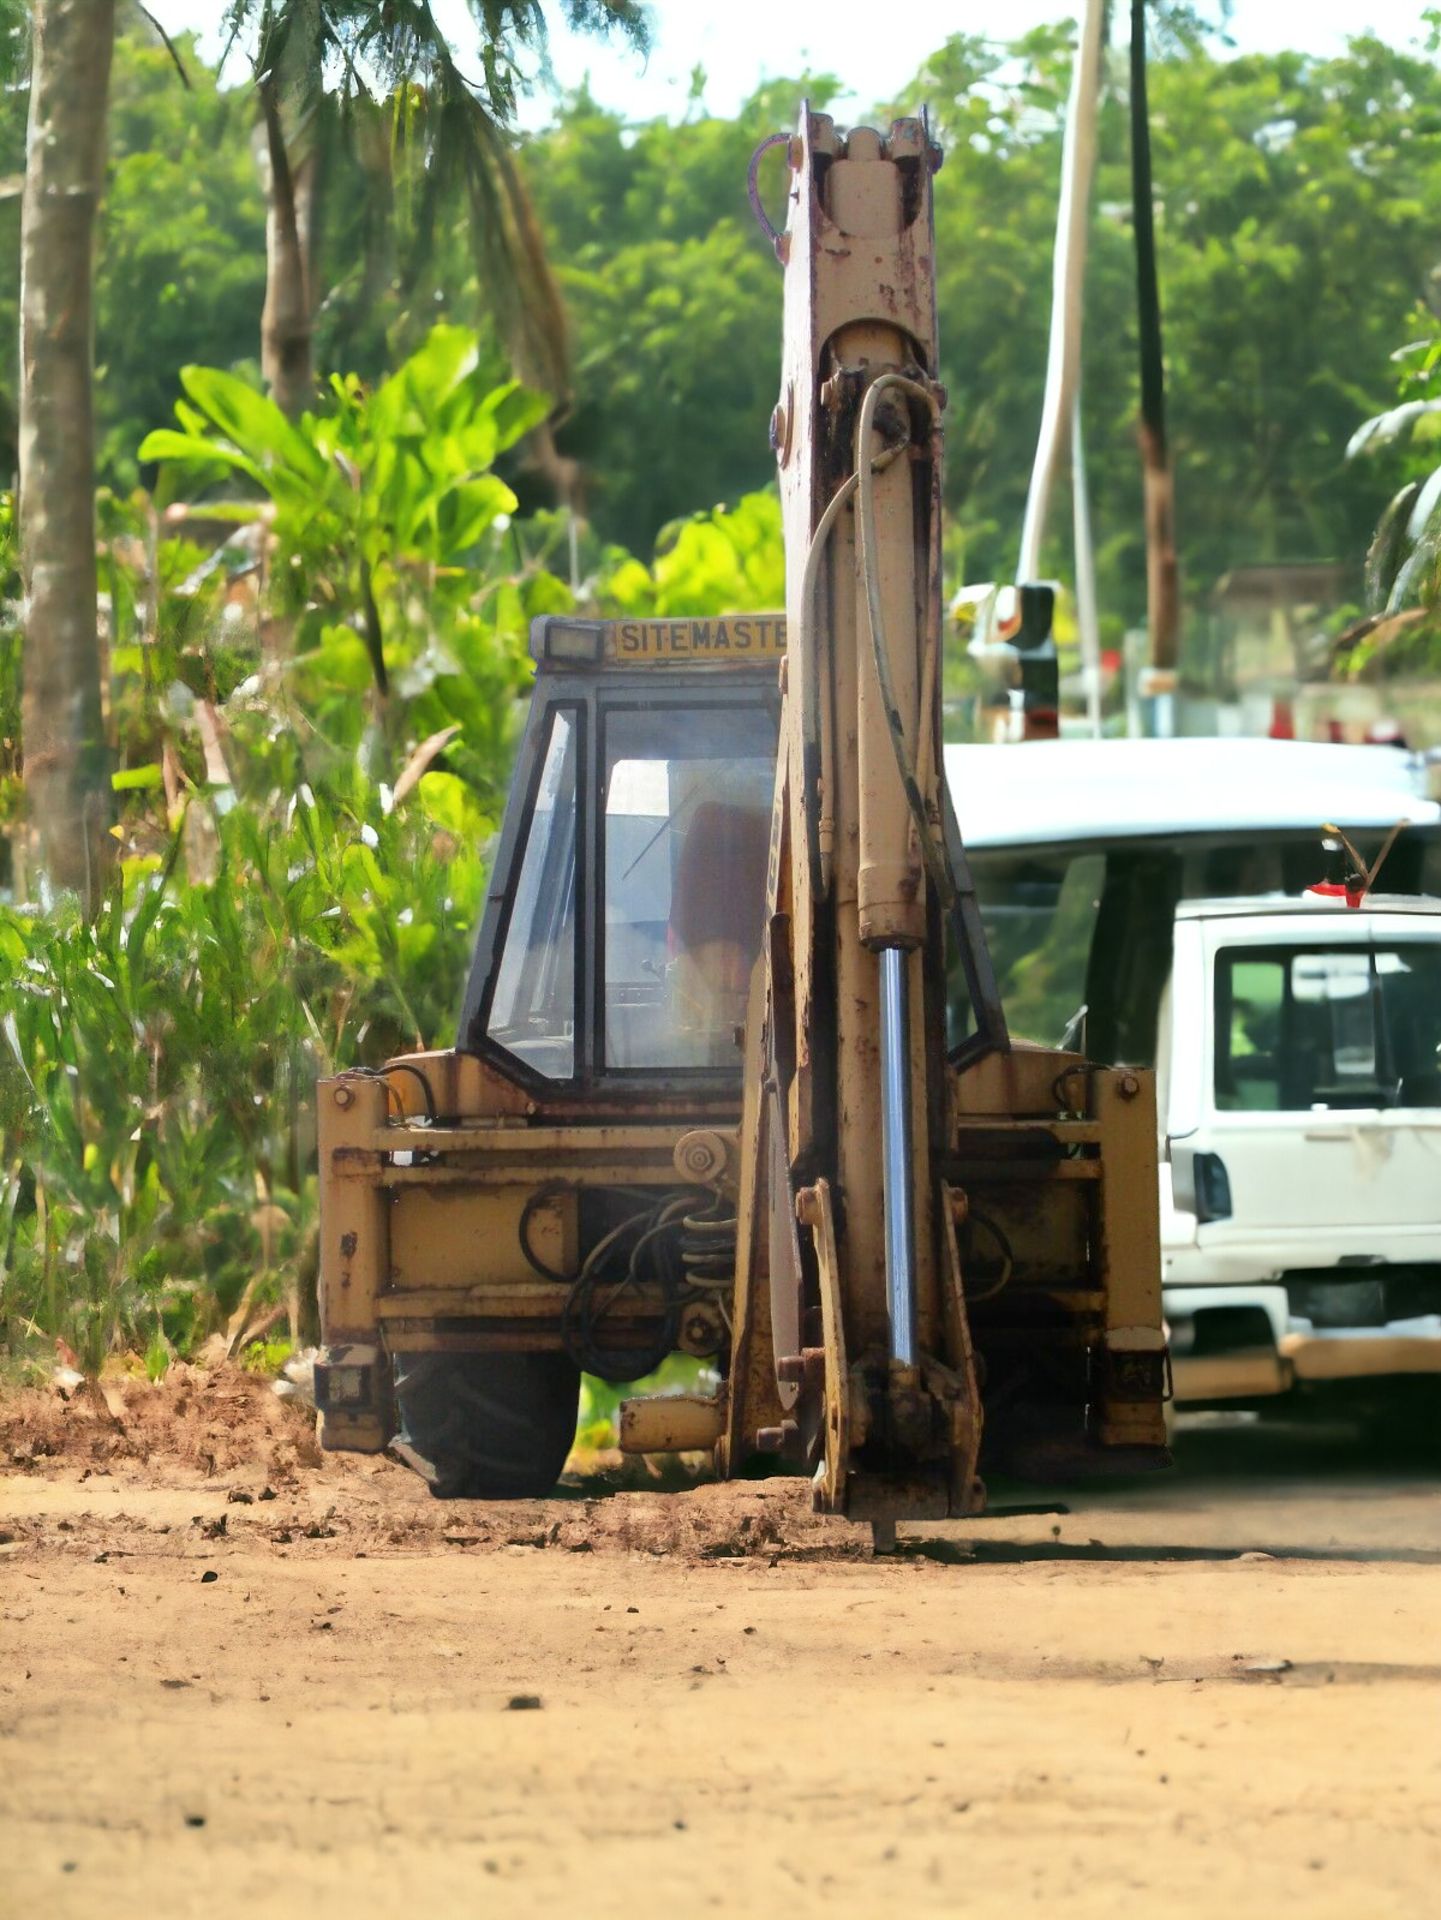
(1325, 1086)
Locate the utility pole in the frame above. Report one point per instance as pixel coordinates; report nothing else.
(1162, 581)
(1028, 625)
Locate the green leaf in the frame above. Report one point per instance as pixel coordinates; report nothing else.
(448, 802)
(516, 411)
(166, 444)
(1393, 425)
(341, 663)
(251, 420)
(464, 514)
(138, 779)
(448, 356)
(1388, 546)
(150, 904)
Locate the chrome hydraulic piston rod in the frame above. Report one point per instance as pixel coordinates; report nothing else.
(896, 1141)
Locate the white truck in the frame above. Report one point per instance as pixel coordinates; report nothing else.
(1149, 898)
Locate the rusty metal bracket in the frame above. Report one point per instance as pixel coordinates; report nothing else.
(814, 1209)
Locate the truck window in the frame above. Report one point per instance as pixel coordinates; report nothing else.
(1043, 913)
(687, 814)
(533, 1009)
(1039, 909)
(1306, 1028)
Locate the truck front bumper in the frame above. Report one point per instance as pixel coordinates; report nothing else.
(1296, 1353)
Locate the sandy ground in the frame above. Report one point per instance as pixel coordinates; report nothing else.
(235, 1682)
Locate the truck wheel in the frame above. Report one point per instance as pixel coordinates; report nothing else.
(487, 1426)
(1404, 1424)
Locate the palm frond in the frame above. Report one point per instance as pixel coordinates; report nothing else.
(355, 55)
(1387, 551)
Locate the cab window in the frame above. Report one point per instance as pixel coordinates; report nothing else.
(532, 1011)
(1308, 1028)
(685, 814)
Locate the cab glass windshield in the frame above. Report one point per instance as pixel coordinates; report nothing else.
(685, 816)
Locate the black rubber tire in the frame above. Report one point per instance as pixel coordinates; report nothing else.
(1403, 1421)
(490, 1426)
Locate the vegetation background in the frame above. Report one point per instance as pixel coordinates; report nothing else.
(517, 375)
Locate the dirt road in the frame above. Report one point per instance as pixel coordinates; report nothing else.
(234, 1683)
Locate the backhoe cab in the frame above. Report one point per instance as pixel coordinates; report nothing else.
(732, 1079)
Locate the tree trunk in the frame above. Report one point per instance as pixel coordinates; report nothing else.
(66, 764)
(1162, 572)
(287, 320)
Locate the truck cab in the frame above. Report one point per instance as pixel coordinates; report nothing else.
(1149, 899)
(1300, 1062)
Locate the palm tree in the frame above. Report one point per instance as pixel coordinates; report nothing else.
(65, 758)
(324, 71)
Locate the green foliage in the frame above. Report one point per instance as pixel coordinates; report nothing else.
(678, 371)
(158, 1356)
(156, 1089)
(384, 518)
(314, 681)
(288, 901)
(181, 274)
(1289, 264)
(675, 299)
(14, 39)
(374, 102)
(1403, 562)
(180, 271)
(359, 45)
(266, 1357)
(1289, 261)
(731, 560)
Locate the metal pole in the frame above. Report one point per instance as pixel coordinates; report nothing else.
(1063, 363)
(896, 1154)
(1163, 606)
(1088, 618)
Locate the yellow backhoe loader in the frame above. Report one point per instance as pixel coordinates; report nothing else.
(732, 1078)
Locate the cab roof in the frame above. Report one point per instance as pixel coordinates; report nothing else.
(1312, 906)
(1079, 790)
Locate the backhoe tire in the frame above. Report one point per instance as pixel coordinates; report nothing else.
(488, 1426)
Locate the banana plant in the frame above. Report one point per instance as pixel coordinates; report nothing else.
(1403, 563)
(382, 523)
(303, 829)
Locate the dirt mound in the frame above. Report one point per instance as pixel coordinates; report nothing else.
(125, 1454)
(210, 1420)
(719, 1521)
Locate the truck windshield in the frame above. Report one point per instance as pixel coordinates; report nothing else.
(1062, 920)
(1301, 1028)
(686, 816)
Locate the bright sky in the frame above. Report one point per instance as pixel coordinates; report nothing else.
(739, 43)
